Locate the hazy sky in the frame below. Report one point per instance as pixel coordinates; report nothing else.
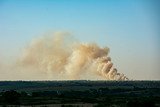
(130, 28)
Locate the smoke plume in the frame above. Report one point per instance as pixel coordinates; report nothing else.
(60, 56)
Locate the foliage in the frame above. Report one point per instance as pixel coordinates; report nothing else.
(98, 93)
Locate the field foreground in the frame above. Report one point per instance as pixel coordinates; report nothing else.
(80, 93)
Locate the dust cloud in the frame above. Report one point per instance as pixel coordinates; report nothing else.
(62, 57)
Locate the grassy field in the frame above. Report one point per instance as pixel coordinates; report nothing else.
(80, 93)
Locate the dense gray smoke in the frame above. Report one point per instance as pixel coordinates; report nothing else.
(60, 56)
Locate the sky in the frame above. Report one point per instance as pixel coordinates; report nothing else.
(130, 28)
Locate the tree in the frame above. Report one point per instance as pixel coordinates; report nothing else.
(11, 97)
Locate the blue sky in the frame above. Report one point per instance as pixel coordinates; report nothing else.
(130, 28)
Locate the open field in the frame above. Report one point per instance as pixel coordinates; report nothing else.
(80, 93)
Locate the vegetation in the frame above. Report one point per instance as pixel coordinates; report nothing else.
(71, 93)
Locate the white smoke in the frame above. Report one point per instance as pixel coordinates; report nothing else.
(60, 57)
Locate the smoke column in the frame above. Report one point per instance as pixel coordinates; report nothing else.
(60, 55)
